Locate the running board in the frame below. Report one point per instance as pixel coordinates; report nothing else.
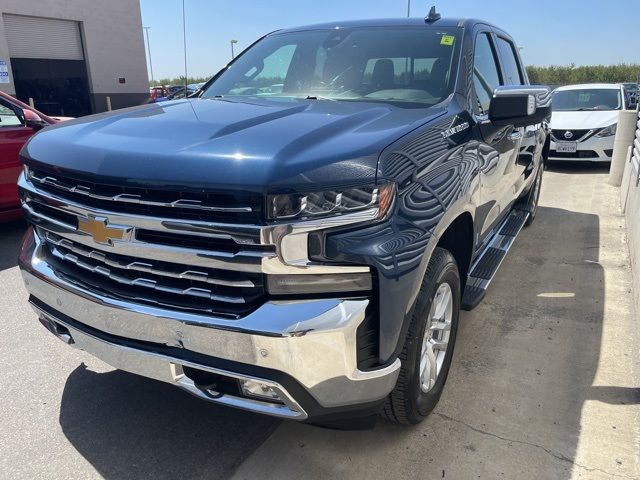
(485, 267)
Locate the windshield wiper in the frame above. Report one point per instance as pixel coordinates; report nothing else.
(319, 97)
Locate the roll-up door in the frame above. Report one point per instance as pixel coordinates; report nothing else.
(36, 37)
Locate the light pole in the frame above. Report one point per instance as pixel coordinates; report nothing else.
(146, 30)
(233, 42)
(408, 8)
(184, 44)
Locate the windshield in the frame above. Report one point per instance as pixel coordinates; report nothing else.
(400, 64)
(587, 99)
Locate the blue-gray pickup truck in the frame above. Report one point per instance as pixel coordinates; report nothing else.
(299, 238)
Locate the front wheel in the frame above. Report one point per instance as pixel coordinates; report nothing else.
(428, 348)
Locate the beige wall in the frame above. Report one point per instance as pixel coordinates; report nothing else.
(630, 200)
(112, 35)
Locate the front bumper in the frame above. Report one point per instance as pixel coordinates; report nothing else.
(305, 350)
(593, 149)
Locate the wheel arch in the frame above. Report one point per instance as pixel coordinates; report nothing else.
(455, 231)
(458, 239)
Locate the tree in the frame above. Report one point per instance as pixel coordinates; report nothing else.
(570, 74)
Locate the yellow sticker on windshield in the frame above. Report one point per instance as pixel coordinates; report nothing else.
(447, 40)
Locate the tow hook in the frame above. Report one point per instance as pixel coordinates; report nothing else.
(58, 330)
(210, 390)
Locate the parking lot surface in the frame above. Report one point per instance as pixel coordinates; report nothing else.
(544, 382)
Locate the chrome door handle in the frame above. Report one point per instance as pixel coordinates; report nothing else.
(515, 135)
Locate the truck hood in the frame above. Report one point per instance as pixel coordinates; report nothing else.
(216, 143)
(583, 120)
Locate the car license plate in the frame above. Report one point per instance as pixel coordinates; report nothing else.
(566, 147)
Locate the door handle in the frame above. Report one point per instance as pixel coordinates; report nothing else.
(515, 135)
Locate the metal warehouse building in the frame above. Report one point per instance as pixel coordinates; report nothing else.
(70, 55)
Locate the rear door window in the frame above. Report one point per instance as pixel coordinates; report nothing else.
(510, 66)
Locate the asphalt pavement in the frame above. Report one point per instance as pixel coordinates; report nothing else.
(544, 382)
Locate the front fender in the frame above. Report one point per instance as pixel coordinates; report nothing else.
(437, 177)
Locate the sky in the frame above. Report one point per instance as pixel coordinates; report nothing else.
(551, 32)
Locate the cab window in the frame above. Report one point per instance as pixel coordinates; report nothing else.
(510, 65)
(486, 75)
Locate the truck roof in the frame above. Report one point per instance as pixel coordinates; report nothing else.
(389, 22)
(588, 86)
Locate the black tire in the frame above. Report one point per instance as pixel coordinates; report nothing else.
(534, 196)
(407, 403)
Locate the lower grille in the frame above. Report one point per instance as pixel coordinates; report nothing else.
(192, 288)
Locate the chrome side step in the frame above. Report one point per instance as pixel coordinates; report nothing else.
(485, 267)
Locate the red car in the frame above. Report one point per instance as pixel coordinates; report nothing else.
(18, 122)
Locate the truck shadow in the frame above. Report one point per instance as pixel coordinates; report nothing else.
(128, 426)
(524, 367)
(10, 236)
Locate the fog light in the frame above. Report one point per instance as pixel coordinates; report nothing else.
(254, 388)
(323, 283)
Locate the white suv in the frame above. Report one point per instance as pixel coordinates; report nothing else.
(584, 121)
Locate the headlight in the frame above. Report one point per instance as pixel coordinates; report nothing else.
(607, 131)
(301, 206)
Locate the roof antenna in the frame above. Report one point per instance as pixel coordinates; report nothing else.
(433, 15)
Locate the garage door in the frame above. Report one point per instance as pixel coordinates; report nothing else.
(35, 37)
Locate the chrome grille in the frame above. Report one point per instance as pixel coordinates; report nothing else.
(168, 203)
(168, 258)
(153, 282)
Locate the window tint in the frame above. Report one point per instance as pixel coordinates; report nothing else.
(511, 70)
(270, 73)
(414, 66)
(486, 76)
(422, 68)
(8, 116)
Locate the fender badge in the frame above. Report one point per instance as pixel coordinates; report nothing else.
(453, 130)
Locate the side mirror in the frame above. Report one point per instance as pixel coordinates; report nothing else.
(520, 105)
(33, 120)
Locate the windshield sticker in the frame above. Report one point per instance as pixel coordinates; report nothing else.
(447, 40)
(584, 97)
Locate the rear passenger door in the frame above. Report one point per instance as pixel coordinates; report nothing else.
(499, 145)
(513, 73)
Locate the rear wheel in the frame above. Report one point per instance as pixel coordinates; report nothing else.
(428, 348)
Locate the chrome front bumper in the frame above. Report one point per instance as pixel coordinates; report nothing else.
(313, 342)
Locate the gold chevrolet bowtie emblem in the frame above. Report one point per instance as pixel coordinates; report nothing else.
(101, 231)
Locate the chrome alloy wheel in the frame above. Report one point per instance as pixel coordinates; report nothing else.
(436, 337)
